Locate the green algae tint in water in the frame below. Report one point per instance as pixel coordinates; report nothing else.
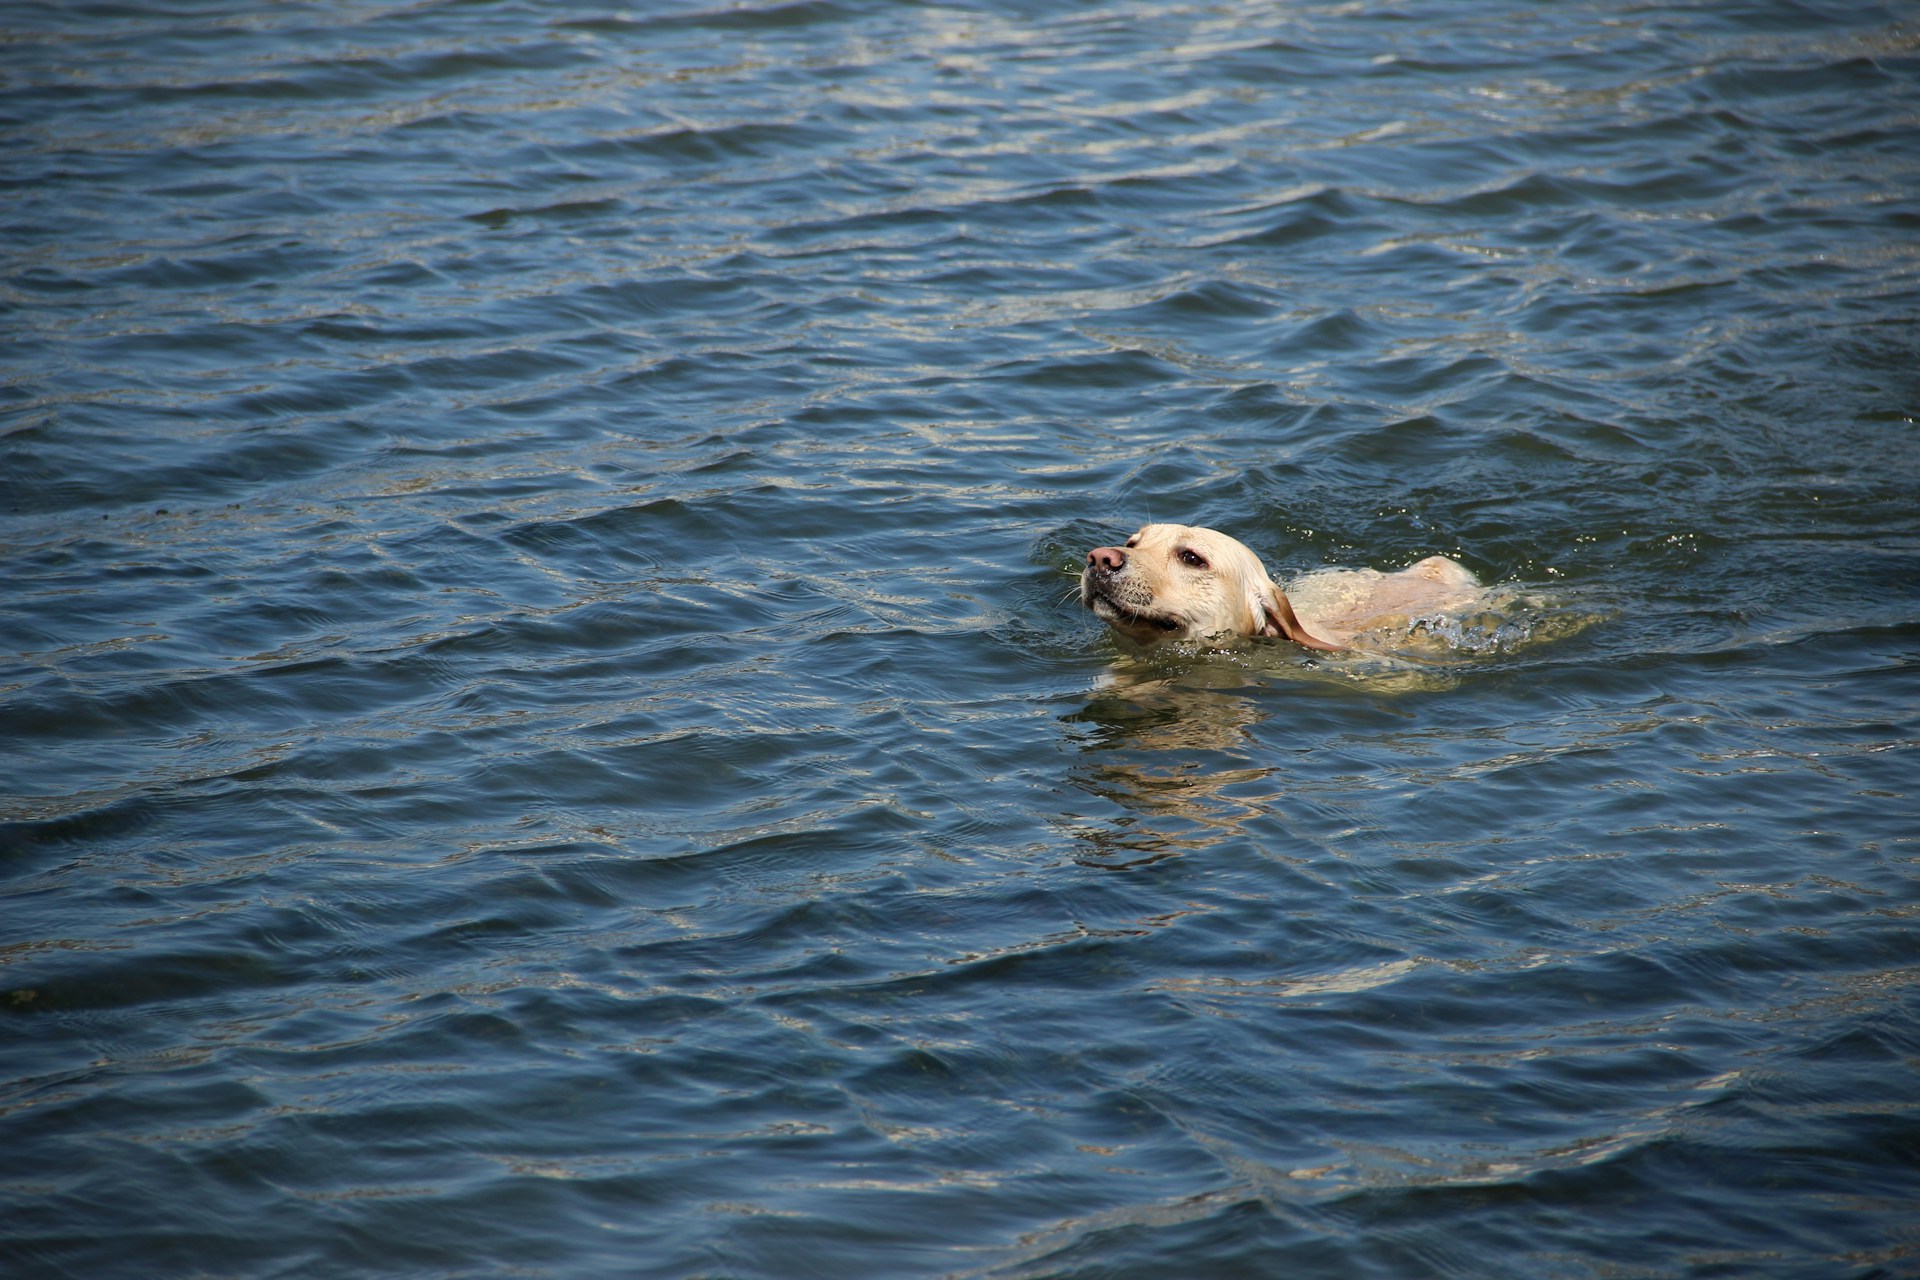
(547, 732)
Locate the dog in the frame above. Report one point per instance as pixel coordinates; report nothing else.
(1183, 582)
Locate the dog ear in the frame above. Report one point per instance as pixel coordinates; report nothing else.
(1283, 623)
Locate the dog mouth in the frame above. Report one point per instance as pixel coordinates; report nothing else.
(1099, 597)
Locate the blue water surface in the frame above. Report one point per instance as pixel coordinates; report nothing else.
(547, 730)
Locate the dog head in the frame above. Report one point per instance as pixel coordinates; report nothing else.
(1182, 582)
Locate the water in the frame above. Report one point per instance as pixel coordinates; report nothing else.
(545, 731)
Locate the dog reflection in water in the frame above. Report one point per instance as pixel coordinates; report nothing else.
(1175, 764)
(1184, 582)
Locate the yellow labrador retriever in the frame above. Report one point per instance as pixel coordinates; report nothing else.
(1182, 582)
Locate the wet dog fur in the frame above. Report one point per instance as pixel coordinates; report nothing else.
(1185, 582)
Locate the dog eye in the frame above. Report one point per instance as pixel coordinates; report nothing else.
(1192, 559)
(1134, 541)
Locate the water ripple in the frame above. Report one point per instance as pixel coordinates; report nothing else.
(548, 729)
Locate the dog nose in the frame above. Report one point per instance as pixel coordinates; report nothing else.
(1111, 559)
